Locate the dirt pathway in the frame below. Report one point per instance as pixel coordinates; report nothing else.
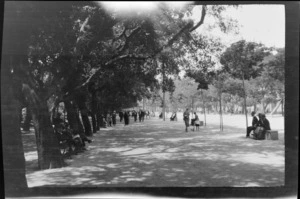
(157, 153)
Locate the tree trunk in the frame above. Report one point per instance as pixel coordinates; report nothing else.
(84, 116)
(164, 106)
(12, 146)
(192, 104)
(49, 155)
(98, 115)
(86, 122)
(245, 103)
(101, 114)
(73, 118)
(94, 122)
(27, 120)
(221, 116)
(79, 122)
(94, 111)
(163, 90)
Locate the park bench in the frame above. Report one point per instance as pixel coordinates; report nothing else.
(271, 135)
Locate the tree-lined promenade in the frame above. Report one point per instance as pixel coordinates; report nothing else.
(160, 153)
(68, 68)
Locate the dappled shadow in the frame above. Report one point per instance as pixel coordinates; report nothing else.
(28, 138)
(30, 150)
(157, 153)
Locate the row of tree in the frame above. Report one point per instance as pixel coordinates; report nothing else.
(254, 79)
(92, 61)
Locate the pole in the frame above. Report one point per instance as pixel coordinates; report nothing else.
(163, 89)
(245, 105)
(164, 106)
(220, 104)
(192, 103)
(203, 107)
(221, 116)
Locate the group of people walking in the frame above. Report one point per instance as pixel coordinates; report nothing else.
(111, 119)
(259, 126)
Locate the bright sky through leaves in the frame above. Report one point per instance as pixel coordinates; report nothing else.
(128, 6)
(258, 23)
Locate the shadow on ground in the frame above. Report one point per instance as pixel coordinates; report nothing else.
(157, 153)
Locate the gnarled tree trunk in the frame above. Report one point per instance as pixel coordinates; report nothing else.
(84, 115)
(73, 118)
(94, 112)
(98, 115)
(86, 122)
(49, 155)
(94, 122)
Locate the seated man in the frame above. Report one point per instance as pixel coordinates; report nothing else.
(160, 115)
(263, 125)
(173, 117)
(254, 124)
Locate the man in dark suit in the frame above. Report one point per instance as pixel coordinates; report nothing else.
(186, 119)
(265, 124)
(254, 124)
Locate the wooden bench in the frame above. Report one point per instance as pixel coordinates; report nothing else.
(271, 135)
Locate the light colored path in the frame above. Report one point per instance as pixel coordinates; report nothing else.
(158, 153)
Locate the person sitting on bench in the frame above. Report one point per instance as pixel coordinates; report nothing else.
(173, 117)
(254, 124)
(197, 122)
(263, 125)
(160, 115)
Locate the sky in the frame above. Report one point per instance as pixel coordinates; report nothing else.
(259, 23)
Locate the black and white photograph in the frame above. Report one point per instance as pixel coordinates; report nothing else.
(150, 99)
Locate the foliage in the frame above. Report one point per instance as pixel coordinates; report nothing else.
(243, 59)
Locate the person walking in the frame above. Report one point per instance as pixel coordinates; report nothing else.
(186, 119)
(104, 122)
(143, 115)
(121, 115)
(140, 115)
(135, 116)
(126, 118)
(109, 119)
(114, 118)
(254, 124)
